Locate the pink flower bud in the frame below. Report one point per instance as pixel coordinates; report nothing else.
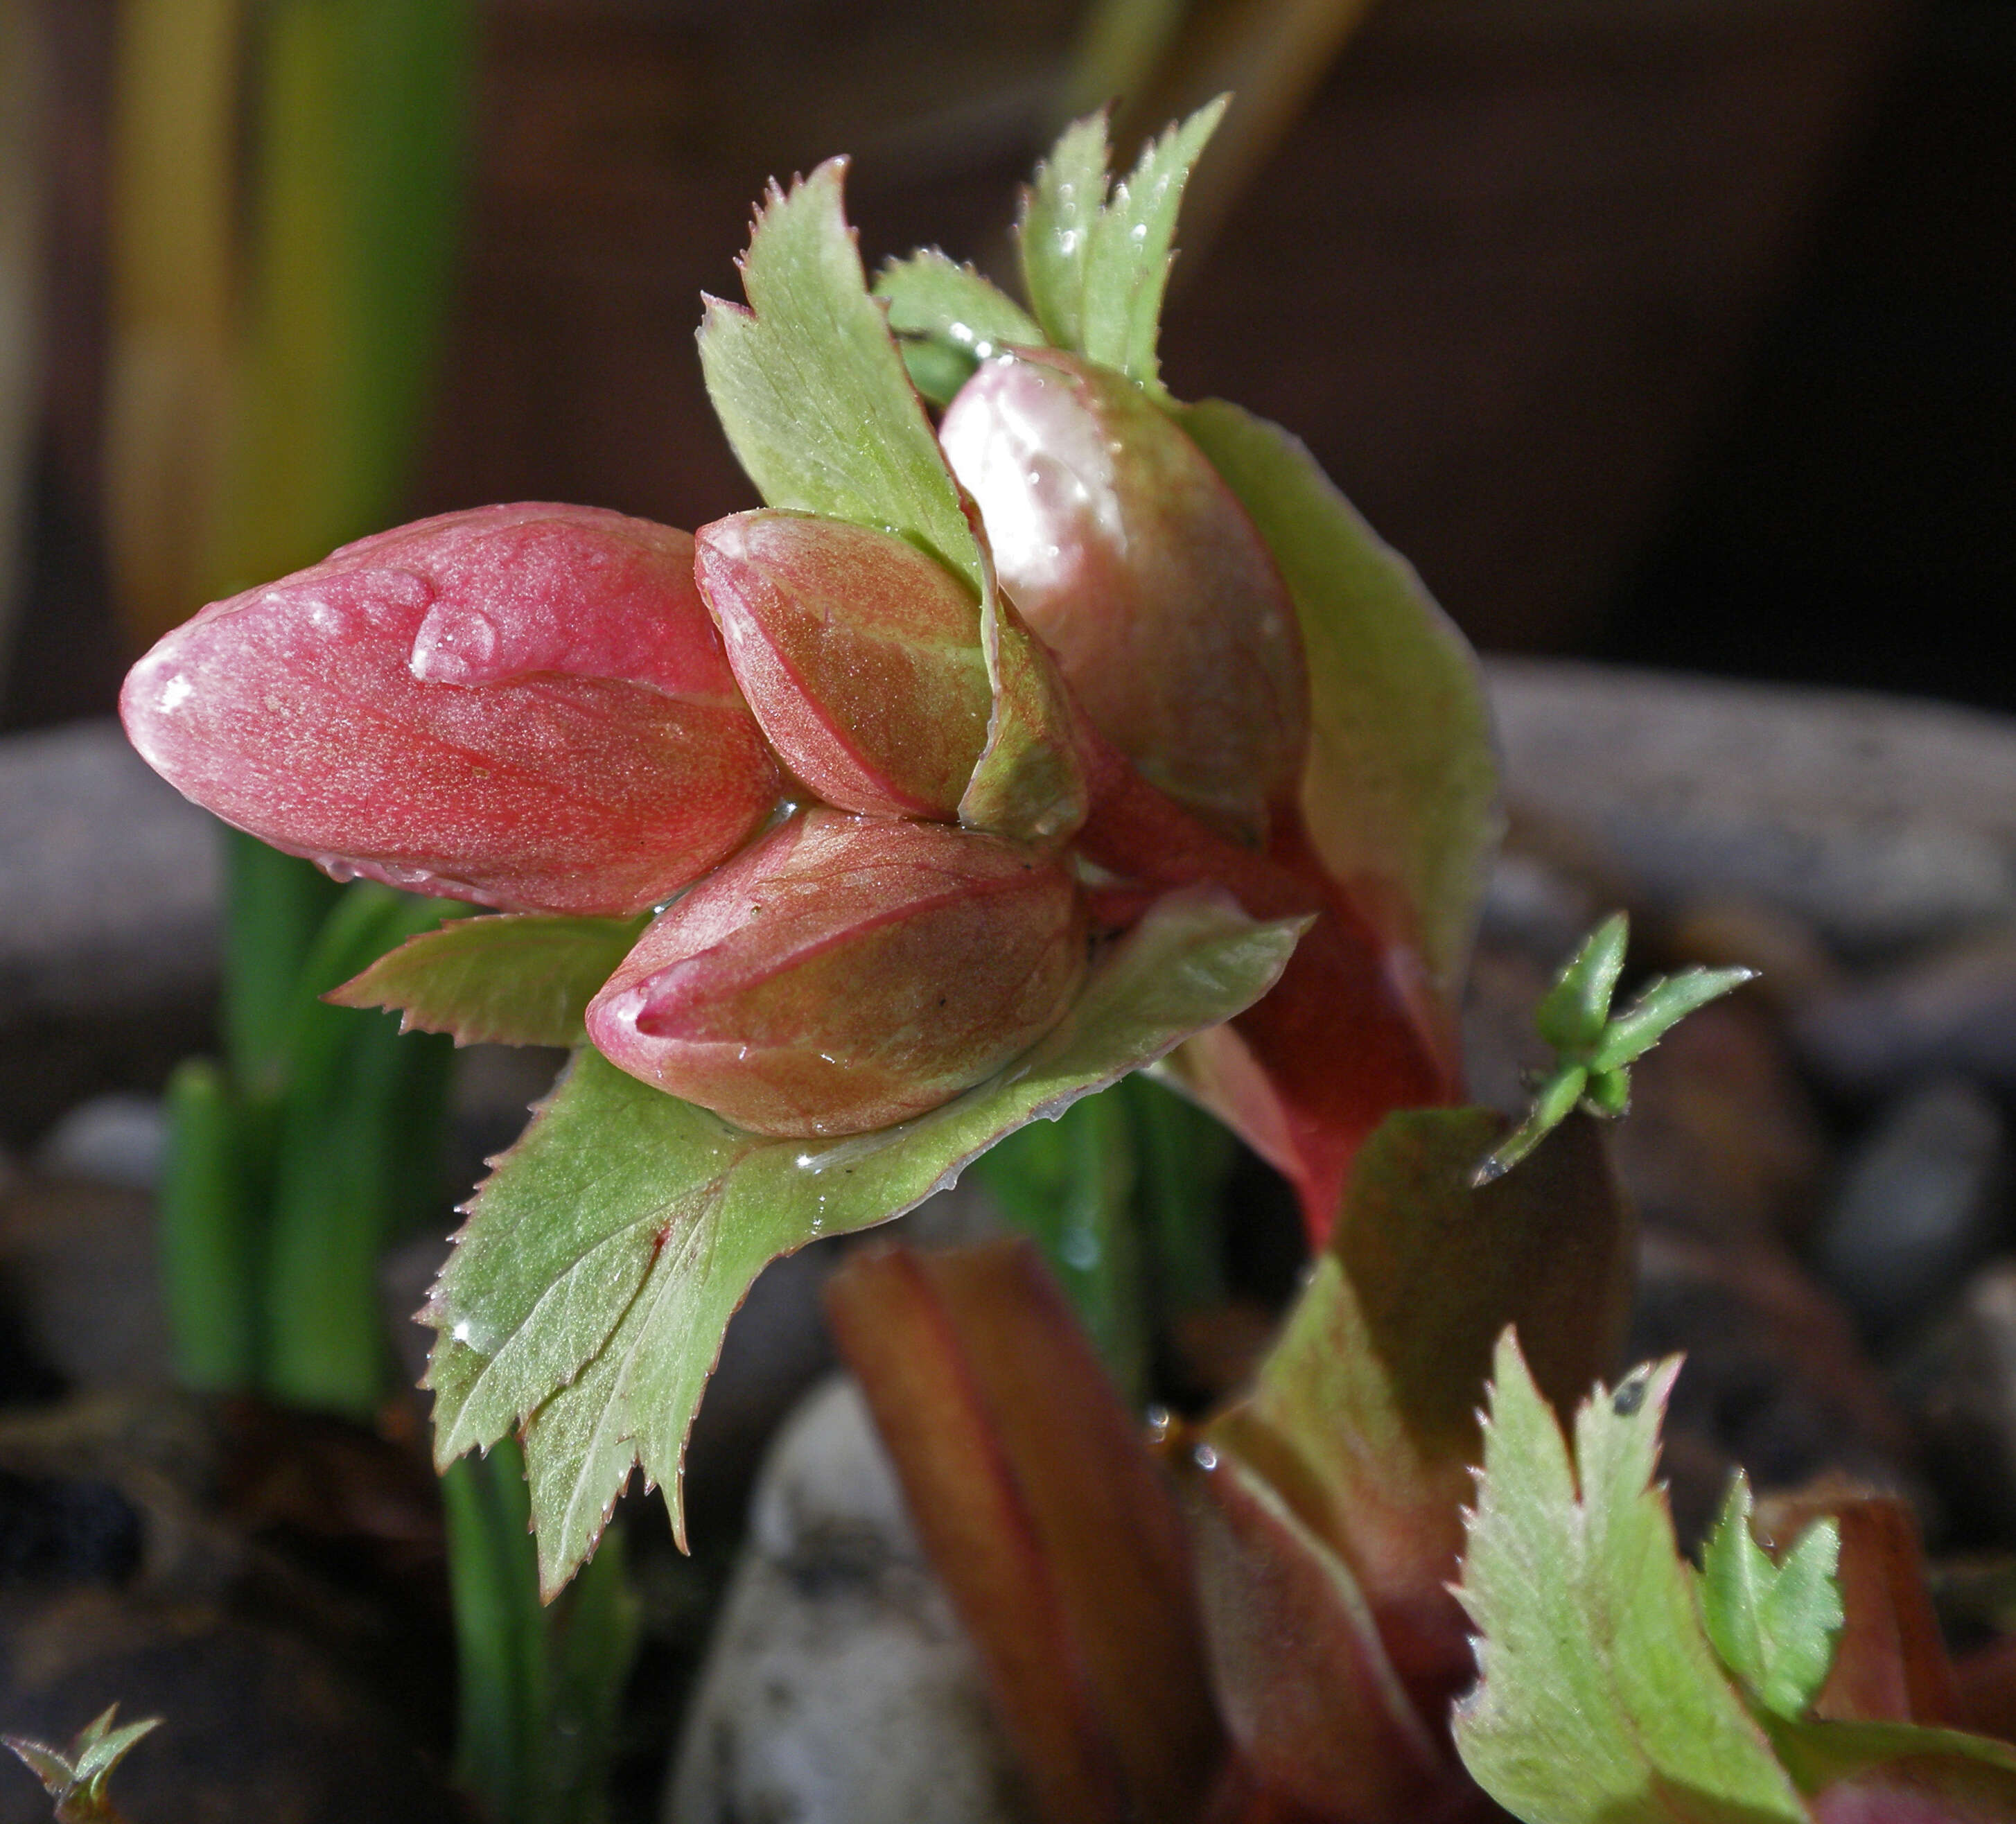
(1130, 558)
(860, 654)
(845, 973)
(524, 706)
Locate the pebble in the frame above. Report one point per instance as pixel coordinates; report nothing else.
(1881, 822)
(1920, 1203)
(1721, 1142)
(1954, 1010)
(108, 888)
(117, 1138)
(838, 1688)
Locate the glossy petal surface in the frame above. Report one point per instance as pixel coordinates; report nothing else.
(846, 973)
(526, 707)
(1133, 562)
(860, 656)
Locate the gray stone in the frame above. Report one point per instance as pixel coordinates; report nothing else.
(1954, 1010)
(1919, 1204)
(112, 1139)
(839, 1687)
(108, 879)
(1884, 821)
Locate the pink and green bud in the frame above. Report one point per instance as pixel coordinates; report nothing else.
(525, 705)
(845, 973)
(860, 654)
(1128, 554)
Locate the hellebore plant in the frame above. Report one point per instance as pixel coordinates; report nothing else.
(848, 835)
(985, 765)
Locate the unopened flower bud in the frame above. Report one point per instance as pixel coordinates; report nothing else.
(524, 706)
(846, 972)
(1127, 553)
(859, 653)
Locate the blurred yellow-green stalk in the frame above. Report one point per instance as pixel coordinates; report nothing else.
(287, 182)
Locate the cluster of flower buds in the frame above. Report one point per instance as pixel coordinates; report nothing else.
(763, 730)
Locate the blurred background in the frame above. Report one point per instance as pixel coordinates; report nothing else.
(1676, 331)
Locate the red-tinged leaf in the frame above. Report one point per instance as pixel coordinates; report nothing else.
(1363, 1420)
(1052, 1527)
(514, 980)
(1900, 1775)
(1318, 1716)
(1891, 1664)
(1306, 1074)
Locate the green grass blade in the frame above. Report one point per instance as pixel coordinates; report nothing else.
(1069, 1184)
(500, 1642)
(207, 1236)
(1182, 1155)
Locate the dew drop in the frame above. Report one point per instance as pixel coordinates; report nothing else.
(1205, 1457)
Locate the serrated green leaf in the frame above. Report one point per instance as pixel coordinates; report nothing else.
(1600, 1699)
(810, 390)
(1055, 228)
(1400, 790)
(588, 1291)
(1774, 1624)
(105, 1751)
(514, 979)
(1095, 264)
(76, 1778)
(48, 1764)
(1127, 270)
(1572, 1013)
(950, 316)
(1661, 1007)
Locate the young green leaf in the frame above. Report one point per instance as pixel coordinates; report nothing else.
(810, 390)
(1572, 1014)
(1774, 1625)
(1596, 1052)
(602, 1259)
(1599, 1697)
(1553, 1104)
(1095, 264)
(1401, 786)
(1127, 266)
(516, 978)
(1663, 1005)
(950, 317)
(1055, 228)
(76, 1778)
